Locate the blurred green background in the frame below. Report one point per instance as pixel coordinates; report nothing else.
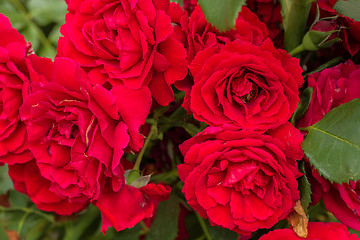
(38, 20)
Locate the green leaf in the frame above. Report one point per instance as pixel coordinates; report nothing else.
(77, 228)
(3, 234)
(349, 8)
(330, 63)
(303, 104)
(304, 187)
(5, 181)
(130, 233)
(17, 199)
(333, 144)
(218, 233)
(165, 225)
(221, 14)
(36, 229)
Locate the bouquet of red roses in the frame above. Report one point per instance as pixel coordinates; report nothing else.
(161, 119)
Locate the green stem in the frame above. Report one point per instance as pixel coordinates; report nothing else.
(142, 151)
(22, 221)
(145, 228)
(28, 210)
(43, 39)
(203, 226)
(297, 50)
(295, 14)
(305, 128)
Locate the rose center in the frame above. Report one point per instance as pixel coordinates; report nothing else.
(245, 88)
(251, 96)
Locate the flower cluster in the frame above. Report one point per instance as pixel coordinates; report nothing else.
(130, 75)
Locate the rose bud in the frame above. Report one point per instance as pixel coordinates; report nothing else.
(322, 34)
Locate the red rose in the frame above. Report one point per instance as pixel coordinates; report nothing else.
(316, 231)
(331, 88)
(253, 87)
(350, 33)
(78, 132)
(240, 179)
(189, 5)
(269, 12)
(28, 180)
(17, 69)
(125, 42)
(342, 200)
(200, 33)
(132, 204)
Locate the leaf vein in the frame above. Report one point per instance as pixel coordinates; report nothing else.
(336, 137)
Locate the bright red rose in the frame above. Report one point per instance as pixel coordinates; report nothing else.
(28, 180)
(241, 179)
(331, 88)
(17, 69)
(132, 204)
(125, 42)
(253, 87)
(78, 132)
(317, 231)
(350, 33)
(200, 35)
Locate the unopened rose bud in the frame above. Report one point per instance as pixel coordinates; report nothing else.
(321, 35)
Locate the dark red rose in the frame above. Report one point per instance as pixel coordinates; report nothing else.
(189, 5)
(253, 87)
(17, 69)
(331, 88)
(350, 33)
(269, 12)
(78, 132)
(125, 42)
(28, 180)
(317, 231)
(128, 206)
(240, 179)
(200, 33)
(342, 200)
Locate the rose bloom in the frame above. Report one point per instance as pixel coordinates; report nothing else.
(200, 34)
(342, 200)
(28, 180)
(78, 132)
(189, 5)
(18, 66)
(269, 12)
(350, 33)
(125, 42)
(331, 88)
(241, 179)
(316, 231)
(253, 87)
(128, 206)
